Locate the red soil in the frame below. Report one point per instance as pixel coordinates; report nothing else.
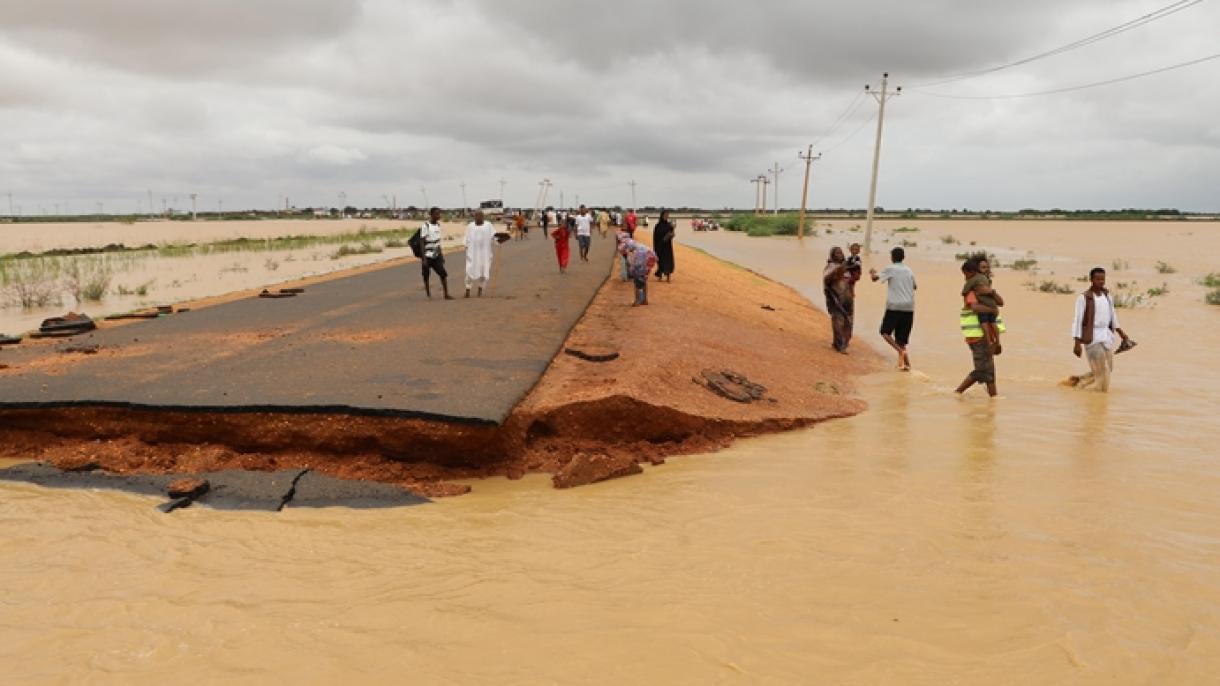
(642, 407)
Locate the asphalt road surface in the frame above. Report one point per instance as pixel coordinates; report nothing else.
(370, 343)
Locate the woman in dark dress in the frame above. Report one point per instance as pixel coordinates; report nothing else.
(663, 246)
(840, 301)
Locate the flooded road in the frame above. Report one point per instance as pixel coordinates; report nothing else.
(1046, 536)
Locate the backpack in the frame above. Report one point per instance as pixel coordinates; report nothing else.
(416, 243)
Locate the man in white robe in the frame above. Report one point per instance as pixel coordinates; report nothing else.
(1093, 330)
(480, 237)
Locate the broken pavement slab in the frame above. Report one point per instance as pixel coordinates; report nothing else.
(227, 490)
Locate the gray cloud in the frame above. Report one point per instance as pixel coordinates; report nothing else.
(251, 101)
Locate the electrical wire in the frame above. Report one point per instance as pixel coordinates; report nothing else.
(1161, 13)
(846, 114)
(1069, 89)
(852, 135)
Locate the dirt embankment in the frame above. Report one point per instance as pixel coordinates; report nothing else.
(583, 418)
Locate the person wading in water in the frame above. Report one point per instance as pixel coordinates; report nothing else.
(1093, 330)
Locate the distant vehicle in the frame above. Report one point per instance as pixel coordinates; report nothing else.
(492, 209)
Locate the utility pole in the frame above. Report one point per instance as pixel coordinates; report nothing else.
(342, 204)
(633, 184)
(503, 183)
(775, 172)
(465, 205)
(762, 178)
(809, 158)
(151, 209)
(424, 190)
(757, 181)
(194, 197)
(881, 97)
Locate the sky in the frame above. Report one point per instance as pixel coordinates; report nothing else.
(313, 102)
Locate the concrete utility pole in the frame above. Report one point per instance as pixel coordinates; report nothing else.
(633, 184)
(342, 203)
(151, 208)
(759, 200)
(809, 158)
(775, 172)
(194, 197)
(881, 97)
(465, 205)
(503, 183)
(546, 189)
(424, 191)
(762, 178)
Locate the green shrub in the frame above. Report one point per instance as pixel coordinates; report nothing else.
(1212, 297)
(1025, 264)
(1165, 268)
(906, 229)
(948, 239)
(1211, 280)
(784, 224)
(1049, 286)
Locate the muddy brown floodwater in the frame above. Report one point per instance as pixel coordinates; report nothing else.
(1047, 536)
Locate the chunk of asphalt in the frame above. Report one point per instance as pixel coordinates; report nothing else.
(43, 474)
(176, 504)
(235, 489)
(318, 490)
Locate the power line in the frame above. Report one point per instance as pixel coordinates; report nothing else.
(1161, 13)
(852, 135)
(846, 114)
(1069, 89)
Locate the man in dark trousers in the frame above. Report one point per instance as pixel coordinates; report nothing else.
(433, 259)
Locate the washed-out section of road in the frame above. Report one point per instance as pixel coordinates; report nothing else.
(370, 343)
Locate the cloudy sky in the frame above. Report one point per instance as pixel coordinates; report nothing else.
(246, 102)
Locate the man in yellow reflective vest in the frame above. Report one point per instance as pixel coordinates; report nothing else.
(972, 330)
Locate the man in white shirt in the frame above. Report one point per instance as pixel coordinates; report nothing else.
(584, 232)
(1093, 330)
(899, 305)
(480, 236)
(433, 259)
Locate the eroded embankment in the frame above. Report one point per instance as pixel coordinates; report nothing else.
(649, 403)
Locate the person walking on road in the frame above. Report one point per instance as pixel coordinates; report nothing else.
(603, 222)
(630, 222)
(1093, 329)
(899, 305)
(562, 245)
(836, 286)
(663, 245)
(433, 259)
(480, 235)
(584, 231)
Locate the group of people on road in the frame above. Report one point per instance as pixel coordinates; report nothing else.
(637, 259)
(1096, 333)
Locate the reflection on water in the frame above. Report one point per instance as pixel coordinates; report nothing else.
(1046, 536)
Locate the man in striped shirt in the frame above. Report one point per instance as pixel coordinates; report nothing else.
(433, 259)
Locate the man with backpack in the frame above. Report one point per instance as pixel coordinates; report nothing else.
(427, 245)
